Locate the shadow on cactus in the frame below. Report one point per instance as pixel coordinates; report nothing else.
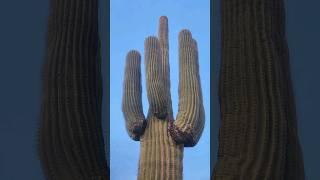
(162, 139)
(258, 136)
(71, 145)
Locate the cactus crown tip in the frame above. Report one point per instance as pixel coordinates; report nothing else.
(151, 39)
(163, 18)
(185, 32)
(185, 35)
(133, 53)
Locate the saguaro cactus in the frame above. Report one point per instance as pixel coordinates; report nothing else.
(162, 138)
(258, 134)
(70, 138)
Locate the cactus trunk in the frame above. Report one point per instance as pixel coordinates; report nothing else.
(160, 157)
(258, 134)
(71, 145)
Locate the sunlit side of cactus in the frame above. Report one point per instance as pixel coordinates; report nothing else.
(162, 138)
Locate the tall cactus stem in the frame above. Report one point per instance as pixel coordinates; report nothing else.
(163, 140)
(258, 136)
(70, 139)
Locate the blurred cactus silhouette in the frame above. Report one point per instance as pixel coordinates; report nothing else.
(258, 135)
(71, 144)
(162, 138)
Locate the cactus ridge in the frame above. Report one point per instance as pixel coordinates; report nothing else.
(71, 144)
(162, 138)
(155, 84)
(258, 134)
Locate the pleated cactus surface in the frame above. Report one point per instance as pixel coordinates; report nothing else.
(258, 135)
(162, 139)
(71, 145)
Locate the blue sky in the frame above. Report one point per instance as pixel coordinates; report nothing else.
(131, 22)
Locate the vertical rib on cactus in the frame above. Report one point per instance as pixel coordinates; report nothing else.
(71, 143)
(162, 141)
(155, 84)
(258, 135)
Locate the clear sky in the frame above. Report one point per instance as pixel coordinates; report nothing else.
(131, 22)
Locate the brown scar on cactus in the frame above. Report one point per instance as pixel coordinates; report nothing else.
(161, 137)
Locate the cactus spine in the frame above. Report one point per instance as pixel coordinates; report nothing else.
(162, 138)
(70, 138)
(258, 134)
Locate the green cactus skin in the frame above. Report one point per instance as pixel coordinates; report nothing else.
(162, 139)
(71, 144)
(258, 135)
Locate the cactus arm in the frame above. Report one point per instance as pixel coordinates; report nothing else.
(69, 142)
(155, 84)
(132, 96)
(189, 123)
(163, 34)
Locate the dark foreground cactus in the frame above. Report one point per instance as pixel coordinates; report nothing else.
(162, 138)
(70, 138)
(258, 134)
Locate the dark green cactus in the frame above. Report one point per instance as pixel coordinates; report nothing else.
(71, 145)
(258, 135)
(161, 138)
